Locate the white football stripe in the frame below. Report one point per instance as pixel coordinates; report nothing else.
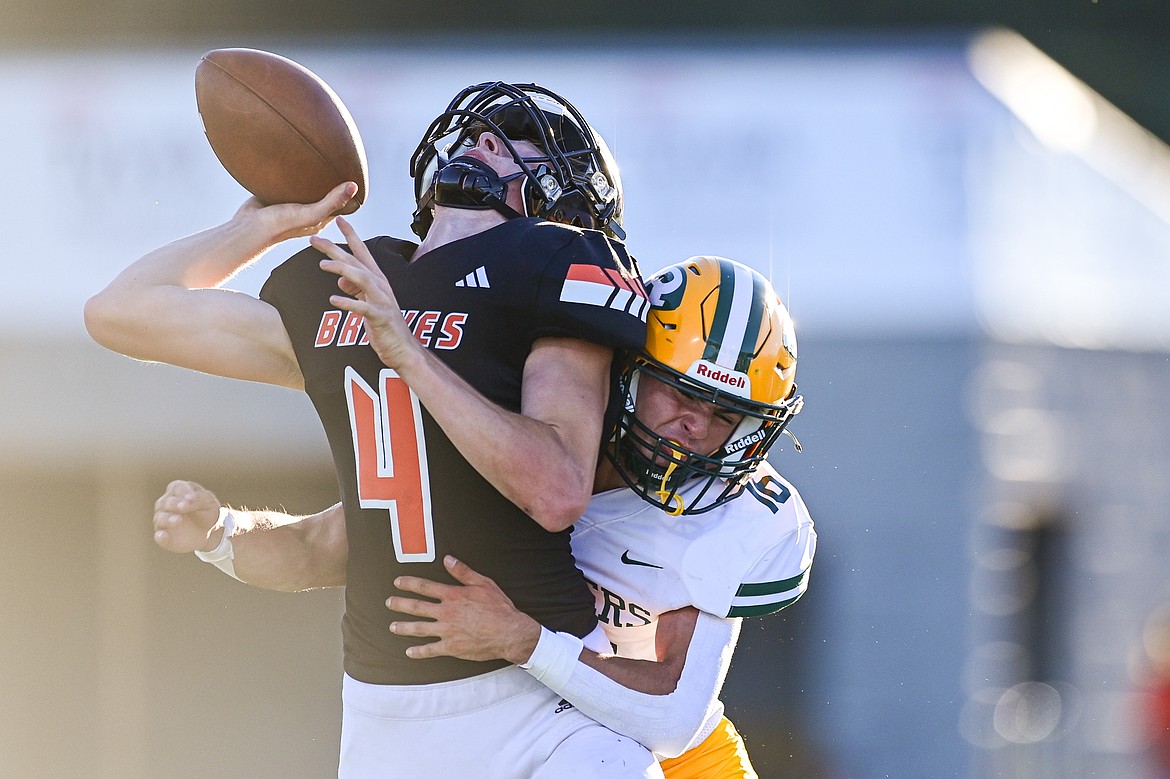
(737, 320)
(588, 292)
(741, 601)
(622, 301)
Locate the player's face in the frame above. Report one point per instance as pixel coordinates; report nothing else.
(490, 149)
(690, 422)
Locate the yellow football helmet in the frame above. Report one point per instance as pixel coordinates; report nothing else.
(718, 331)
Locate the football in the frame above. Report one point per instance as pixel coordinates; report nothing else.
(277, 128)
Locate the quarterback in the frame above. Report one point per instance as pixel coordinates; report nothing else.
(689, 531)
(448, 439)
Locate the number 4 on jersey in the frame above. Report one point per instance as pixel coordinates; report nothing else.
(391, 456)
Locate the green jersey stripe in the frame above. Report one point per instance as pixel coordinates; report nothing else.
(757, 599)
(772, 588)
(762, 609)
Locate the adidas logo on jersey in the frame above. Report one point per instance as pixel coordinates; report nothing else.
(564, 705)
(477, 278)
(591, 285)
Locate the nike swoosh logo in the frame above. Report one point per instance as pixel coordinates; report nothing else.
(631, 561)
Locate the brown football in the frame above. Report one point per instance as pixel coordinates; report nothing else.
(277, 128)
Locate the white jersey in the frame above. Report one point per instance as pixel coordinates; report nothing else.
(746, 558)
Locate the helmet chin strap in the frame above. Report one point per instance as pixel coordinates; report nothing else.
(665, 495)
(466, 182)
(639, 472)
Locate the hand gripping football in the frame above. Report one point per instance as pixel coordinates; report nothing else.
(277, 128)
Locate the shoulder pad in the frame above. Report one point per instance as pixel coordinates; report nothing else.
(756, 557)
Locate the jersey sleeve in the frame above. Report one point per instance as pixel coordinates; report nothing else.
(296, 274)
(759, 561)
(666, 724)
(590, 289)
(778, 579)
(283, 280)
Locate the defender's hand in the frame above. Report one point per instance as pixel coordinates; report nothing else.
(473, 620)
(185, 517)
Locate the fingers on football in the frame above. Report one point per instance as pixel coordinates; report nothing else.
(338, 197)
(321, 213)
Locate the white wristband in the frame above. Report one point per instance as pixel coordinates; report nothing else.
(555, 657)
(223, 554)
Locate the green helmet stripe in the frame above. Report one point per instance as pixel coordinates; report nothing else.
(718, 327)
(738, 314)
(755, 320)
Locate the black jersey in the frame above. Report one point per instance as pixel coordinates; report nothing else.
(479, 304)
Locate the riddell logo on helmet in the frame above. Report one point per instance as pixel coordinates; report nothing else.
(733, 381)
(746, 441)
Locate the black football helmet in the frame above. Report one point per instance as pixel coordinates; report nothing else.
(575, 181)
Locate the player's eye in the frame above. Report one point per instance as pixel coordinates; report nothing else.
(474, 130)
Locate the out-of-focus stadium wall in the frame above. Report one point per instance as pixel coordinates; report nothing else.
(929, 229)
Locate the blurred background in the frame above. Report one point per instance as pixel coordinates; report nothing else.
(965, 205)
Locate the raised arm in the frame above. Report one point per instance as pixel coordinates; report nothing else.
(168, 307)
(542, 459)
(663, 703)
(269, 549)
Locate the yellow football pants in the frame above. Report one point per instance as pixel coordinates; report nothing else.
(722, 755)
